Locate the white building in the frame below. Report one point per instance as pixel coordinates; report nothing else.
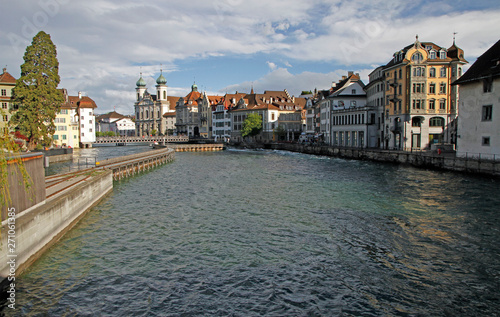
(221, 122)
(478, 132)
(352, 121)
(86, 108)
(117, 123)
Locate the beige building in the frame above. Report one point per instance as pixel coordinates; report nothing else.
(420, 105)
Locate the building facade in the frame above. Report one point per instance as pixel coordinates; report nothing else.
(7, 83)
(375, 100)
(479, 116)
(186, 109)
(352, 120)
(150, 109)
(115, 122)
(420, 105)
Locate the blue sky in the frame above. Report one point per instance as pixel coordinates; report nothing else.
(232, 45)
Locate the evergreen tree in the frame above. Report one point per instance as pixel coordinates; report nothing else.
(252, 125)
(36, 92)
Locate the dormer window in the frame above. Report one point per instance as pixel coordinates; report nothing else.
(442, 55)
(417, 57)
(432, 55)
(428, 47)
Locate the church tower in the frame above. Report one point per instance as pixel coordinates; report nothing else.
(141, 88)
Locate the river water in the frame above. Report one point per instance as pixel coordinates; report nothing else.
(267, 233)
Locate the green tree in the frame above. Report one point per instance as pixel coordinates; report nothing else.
(36, 92)
(252, 125)
(280, 133)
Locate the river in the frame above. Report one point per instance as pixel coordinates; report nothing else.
(270, 233)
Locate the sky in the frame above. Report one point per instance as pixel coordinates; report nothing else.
(226, 46)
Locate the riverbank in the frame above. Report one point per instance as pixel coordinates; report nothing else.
(428, 160)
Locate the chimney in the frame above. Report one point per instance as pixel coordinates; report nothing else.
(4, 70)
(334, 84)
(350, 73)
(79, 95)
(344, 77)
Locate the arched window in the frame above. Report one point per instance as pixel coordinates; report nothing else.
(432, 72)
(416, 122)
(436, 122)
(146, 115)
(417, 57)
(164, 95)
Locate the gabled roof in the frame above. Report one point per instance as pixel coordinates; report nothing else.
(110, 115)
(6, 78)
(486, 66)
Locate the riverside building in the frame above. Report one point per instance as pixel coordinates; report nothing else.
(479, 116)
(420, 105)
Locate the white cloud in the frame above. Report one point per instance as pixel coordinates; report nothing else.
(102, 43)
(271, 65)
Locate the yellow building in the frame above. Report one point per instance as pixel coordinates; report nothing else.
(7, 83)
(420, 103)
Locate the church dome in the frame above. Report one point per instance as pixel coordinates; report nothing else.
(161, 80)
(194, 87)
(141, 82)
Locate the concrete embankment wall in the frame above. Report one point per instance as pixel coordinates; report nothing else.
(418, 159)
(36, 229)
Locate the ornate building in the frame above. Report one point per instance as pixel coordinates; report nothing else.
(420, 105)
(150, 109)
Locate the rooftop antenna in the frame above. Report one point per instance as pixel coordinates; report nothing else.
(454, 33)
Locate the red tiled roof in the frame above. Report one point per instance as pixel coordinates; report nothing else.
(169, 114)
(7, 78)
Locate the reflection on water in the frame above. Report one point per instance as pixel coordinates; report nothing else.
(262, 233)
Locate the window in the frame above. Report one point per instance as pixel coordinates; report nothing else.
(399, 90)
(64, 136)
(432, 88)
(443, 72)
(353, 91)
(418, 88)
(442, 88)
(400, 73)
(4, 92)
(442, 55)
(486, 141)
(419, 104)
(487, 84)
(432, 55)
(5, 118)
(416, 122)
(82, 117)
(487, 111)
(432, 72)
(353, 103)
(4, 105)
(436, 122)
(442, 104)
(432, 104)
(417, 57)
(55, 137)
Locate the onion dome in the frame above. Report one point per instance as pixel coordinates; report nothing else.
(161, 80)
(141, 82)
(194, 87)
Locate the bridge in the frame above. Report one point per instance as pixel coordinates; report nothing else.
(122, 140)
